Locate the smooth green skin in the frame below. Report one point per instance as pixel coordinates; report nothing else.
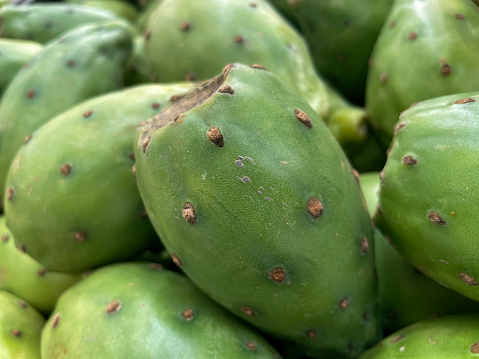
(406, 71)
(120, 8)
(136, 70)
(147, 11)
(443, 137)
(268, 40)
(99, 53)
(449, 337)
(149, 323)
(43, 22)
(14, 54)
(241, 235)
(406, 296)
(341, 36)
(23, 276)
(99, 196)
(15, 314)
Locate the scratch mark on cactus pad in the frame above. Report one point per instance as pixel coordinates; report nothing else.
(188, 213)
(436, 218)
(303, 118)
(464, 100)
(134, 170)
(113, 307)
(27, 139)
(259, 67)
(215, 136)
(145, 143)
(10, 193)
(315, 207)
(466, 278)
(396, 338)
(399, 127)
(277, 274)
(66, 169)
(56, 320)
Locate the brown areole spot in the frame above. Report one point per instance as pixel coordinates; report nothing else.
(16, 333)
(215, 136)
(475, 348)
(175, 98)
(155, 105)
(464, 100)
(366, 316)
(66, 169)
(188, 213)
(409, 160)
(31, 93)
(226, 89)
(22, 304)
(445, 69)
(134, 170)
(466, 278)
(251, 345)
(155, 266)
(412, 36)
(145, 143)
(27, 139)
(87, 114)
(56, 320)
(41, 272)
(344, 303)
(392, 24)
(249, 311)
(4, 238)
(113, 307)
(356, 175)
(253, 4)
(71, 63)
(459, 16)
(315, 207)
(396, 338)
(144, 214)
(10, 193)
(190, 77)
(312, 334)
(239, 39)
(303, 118)
(176, 259)
(188, 314)
(436, 218)
(364, 245)
(185, 26)
(22, 248)
(80, 236)
(277, 274)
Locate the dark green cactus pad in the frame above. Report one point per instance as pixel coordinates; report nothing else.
(136, 70)
(139, 310)
(76, 204)
(428, 199)
(258, 204)
(28, 279)
(120, 8)
(84, 63)
(14, 54)
(20, 328)
(44, 22)
(455, 336)
(426, 49)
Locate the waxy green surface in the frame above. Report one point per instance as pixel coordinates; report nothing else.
(23, 276)
(84, 63)
(138, 310)
(250, 199)
(449, 337)
(428, 201)
(43, 22)
(426, 49)
(76, 204)
(20, 328)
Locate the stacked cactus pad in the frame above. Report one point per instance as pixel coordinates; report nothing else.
(292, 179)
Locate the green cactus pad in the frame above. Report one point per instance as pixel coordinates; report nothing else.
(258, 204)
(426, 49)
(20, 328)
(79, 167)
(139, 310)
(44, 22)
(84, 63)
(448, 337)
(122, 9)
(428, 195)
(14, 54)
(28, 279)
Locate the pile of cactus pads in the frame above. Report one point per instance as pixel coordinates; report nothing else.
(228, 179)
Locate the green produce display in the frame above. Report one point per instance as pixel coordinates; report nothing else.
(44, 22)
(138, 310)
(247, 189)
(28, 279)
(428, 197)
(238, 145)
(84, 63)
(20, 328)
(57, 169)
(450, 337)
(14, 54)
(426, 49)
